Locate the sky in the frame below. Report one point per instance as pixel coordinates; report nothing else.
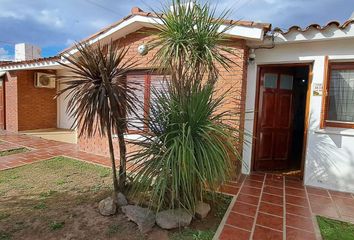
(54, 25)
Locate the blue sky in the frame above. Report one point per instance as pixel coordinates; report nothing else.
(54, 25)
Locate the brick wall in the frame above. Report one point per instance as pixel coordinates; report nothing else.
(11, 115)
(36, 107)
(234, 79)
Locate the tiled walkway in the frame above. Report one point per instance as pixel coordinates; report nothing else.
(41, 149)
(265, 206)
(268, 206)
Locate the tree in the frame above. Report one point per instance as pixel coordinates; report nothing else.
(99, 97)
(190, 145)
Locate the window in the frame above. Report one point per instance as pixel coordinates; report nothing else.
(339, 97)
(143, 82)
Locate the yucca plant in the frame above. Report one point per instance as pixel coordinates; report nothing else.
(189, 148)
(191, 143)
(191, 41)
(99, 97)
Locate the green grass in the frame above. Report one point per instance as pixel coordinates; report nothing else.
(334, 229)
(192, 234)
(56, 225)
(13, 151)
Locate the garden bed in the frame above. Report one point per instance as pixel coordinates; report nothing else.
(58, 198)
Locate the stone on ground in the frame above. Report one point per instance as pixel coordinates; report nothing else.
(121, 200)
(143, 217)
(202, 209)
(107, 206)
(173, 218)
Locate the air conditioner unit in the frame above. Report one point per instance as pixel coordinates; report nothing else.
(44, 80)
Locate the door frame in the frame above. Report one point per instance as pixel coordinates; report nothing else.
(307, 110)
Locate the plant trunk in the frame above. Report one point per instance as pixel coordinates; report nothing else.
(113, 162)
(122, 161)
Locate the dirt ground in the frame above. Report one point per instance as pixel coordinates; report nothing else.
(58, 199)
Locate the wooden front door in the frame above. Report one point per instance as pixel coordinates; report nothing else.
(2, 105)
(275, 115)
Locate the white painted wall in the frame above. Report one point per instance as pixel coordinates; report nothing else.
(329, 159)
(64, 120)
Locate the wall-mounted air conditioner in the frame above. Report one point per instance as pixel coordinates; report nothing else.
(44, 80)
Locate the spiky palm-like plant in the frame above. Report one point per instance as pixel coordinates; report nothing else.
(190, 145)
(191, 43)
(99, 97)
(189, 148)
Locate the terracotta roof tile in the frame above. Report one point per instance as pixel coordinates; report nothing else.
(38, 60)
(315, 26)
(138, 12)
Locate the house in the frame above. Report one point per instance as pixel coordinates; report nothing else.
(294, 89)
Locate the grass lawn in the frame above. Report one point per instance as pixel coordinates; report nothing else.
(58, 198)
(335, 230)
(13, 151)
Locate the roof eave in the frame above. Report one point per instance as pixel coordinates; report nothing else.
(134, 22)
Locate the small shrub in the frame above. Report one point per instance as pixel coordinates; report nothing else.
(4, 215)
(4, 236)
(47, 194)
(40, 206)
(56, 225)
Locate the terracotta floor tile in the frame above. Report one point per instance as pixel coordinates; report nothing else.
(229, 189)
(270, 221)
(316, 199)
(298, 210)
(317, 191)
(293, 184)
(273, 190)
(297, 234)
(295, 192)
(261, 233)
(240, 221)
(250, 191)
(256, 177)
(271, 209)
(272, 199)
(300, 201)
(274, 183)
(340, 194)
(296, 221)
(343, 201)
(244, 208)
(324, 210)
(252, 183)
(231, 233)
(248, 199)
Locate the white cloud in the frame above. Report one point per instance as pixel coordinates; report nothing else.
(99, 23)
(4, 54)
(11, 14)
(49, 17)
(69, 42)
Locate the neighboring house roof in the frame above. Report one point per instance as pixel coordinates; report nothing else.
(333, 30)
(316, 26)
(142, 19)
(30, 64)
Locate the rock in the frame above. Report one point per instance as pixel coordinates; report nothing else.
(107, 206)
(173, 218)
(202, 209)
(121, 200)
(143, 217)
